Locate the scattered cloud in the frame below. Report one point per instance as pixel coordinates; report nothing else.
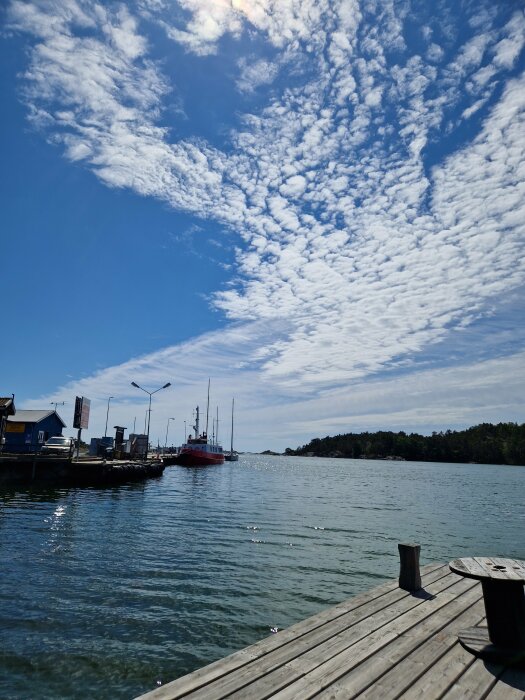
(269, 418)
(256, 73)
(371, 228)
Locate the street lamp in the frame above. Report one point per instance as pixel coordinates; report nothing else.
(167, 426)
(107, 416)
(150, 394)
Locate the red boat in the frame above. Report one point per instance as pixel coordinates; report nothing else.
(198, 452)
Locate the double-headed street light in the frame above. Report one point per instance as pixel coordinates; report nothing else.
(107, 416)
(150, 394)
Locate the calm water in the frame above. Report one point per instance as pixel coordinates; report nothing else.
(110, 592)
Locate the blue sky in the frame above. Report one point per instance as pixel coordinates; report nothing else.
(319, 205)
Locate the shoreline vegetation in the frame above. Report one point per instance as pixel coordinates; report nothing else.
(486, 443)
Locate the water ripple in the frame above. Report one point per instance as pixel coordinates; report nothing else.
(109, 591)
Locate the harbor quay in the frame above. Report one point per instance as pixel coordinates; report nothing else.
(30, 469)
(449, 631)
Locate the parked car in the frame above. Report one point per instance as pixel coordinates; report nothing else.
(59, 445)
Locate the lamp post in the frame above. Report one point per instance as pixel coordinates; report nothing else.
(107, 416)
(167, 426)
(150, 394)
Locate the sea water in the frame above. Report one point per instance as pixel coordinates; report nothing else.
(110, 592)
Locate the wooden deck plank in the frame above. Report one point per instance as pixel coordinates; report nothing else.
(510, 686)
(265, 674)
(440, 676)
(369, 650)
(477, 680)
(384, 643)
(203, 676)
(400, 663)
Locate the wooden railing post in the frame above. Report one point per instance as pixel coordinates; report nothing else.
(409, 575)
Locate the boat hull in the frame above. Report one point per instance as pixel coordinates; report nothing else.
(231, 457)
(198, 459)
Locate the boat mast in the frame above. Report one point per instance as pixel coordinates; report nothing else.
(217, 427)
(208, 408)
(231, 444)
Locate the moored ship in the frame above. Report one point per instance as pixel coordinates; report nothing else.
(197, 451)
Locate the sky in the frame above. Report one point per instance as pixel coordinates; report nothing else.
(317, 204)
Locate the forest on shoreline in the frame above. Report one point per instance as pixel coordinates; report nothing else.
(486, 443)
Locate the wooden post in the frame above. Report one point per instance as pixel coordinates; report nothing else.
(409, 575)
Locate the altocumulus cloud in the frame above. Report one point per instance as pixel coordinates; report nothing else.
(378, 193)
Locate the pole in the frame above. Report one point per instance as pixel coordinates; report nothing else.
(107, 416)
(167, 427)
(149, 419)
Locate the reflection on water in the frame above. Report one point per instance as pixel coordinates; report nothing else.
(108, 592)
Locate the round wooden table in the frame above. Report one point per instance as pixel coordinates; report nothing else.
(502, 582)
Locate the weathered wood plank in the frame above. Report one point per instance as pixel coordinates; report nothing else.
(360, 640)
(265, 676)
(441, 676)
(222, 667)
(341, 665)
(397, 666)
(477, 680)
(510, 686)
(500, 569)
(472, 570)
(383, 644)
(516, 567)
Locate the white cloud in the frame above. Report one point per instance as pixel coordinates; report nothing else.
(358, 255)
(269, 418)
(205, 22)
(509, 48)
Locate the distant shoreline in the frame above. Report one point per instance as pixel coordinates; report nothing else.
(487, 443)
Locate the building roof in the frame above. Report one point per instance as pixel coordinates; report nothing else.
(33, 416)
(7, 405)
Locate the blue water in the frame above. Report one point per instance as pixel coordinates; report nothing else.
(109, 592)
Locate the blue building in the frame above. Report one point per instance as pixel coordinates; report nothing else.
(27, 431)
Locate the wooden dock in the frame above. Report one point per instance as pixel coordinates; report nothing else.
(385, 643)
